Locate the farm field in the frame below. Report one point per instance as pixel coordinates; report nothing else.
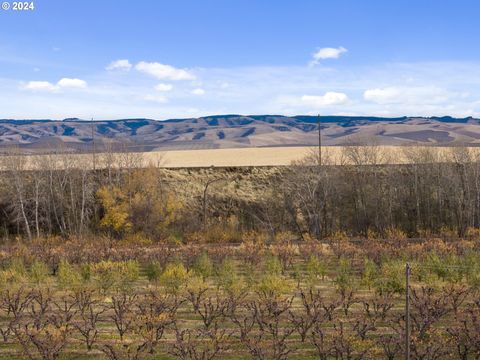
(340, 299)
(126, 261)
(233, 180)
(283, 156)
(245, 157)
(268, 156)
(261, 156)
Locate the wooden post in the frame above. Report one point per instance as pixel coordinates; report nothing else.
(319, 142)
(93, 147)
(207, 184)
(407, 311)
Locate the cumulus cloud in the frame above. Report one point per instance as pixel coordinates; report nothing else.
(198, 91)
(328, 99)
(164, 87)
(407, 95)
(62, 83)
(72, 83)
(434, 88)
(327, 53)
(122, 64)
(164, 72)
(40, 86)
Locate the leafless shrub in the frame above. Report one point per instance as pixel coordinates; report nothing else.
(122, 313)
(199, 344)
(263, 330)
(154, 314)
(90, 312)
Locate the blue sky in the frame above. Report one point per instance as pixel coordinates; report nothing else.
(171, 59)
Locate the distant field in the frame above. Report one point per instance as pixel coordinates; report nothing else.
(257, 156)
(277, 156)
(269, 156)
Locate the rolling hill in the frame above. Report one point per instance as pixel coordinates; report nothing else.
(235, 131)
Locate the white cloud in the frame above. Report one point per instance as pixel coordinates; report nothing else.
(404, 95)
(393, 89)
(328, 99)
(122, 64)
(164, 87)
(164, 72)
(40, 86)
(72, 83)
(62, 83)
(198, 91)
(327, 53)
(156, 98)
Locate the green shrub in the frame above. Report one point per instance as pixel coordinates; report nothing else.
(470, 268)
(315, 269)
(272, 286)
(174, 277)
(435, 266)
(153, 271)
(273, 265)
(104, 275)
(18, 266)
(86, 272)
(129, 272)
(344, 278)
(39, 272)
(196, 284)
(203, 266)
(119, 275)
(391, 278)
(370, 273)
(227, 277)
(68, 275)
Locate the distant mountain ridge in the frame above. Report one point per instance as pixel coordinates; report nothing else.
(230, 131)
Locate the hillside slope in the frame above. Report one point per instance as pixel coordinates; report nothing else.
(233, 131)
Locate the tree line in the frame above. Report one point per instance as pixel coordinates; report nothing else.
(365, 193)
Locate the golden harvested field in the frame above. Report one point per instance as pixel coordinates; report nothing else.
(269, 156)
(280, 156)
(262, 156)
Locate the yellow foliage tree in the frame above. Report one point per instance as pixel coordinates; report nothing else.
(141, 205)
(115, 206)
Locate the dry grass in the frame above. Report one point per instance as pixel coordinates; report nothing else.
(270, 156)
(263, 156)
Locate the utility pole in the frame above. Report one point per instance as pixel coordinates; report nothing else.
(319, 142)
(207, 184)
(93, 146)
(407, 311)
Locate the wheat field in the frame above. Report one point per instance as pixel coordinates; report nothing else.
(281, 156)
(255, 156)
